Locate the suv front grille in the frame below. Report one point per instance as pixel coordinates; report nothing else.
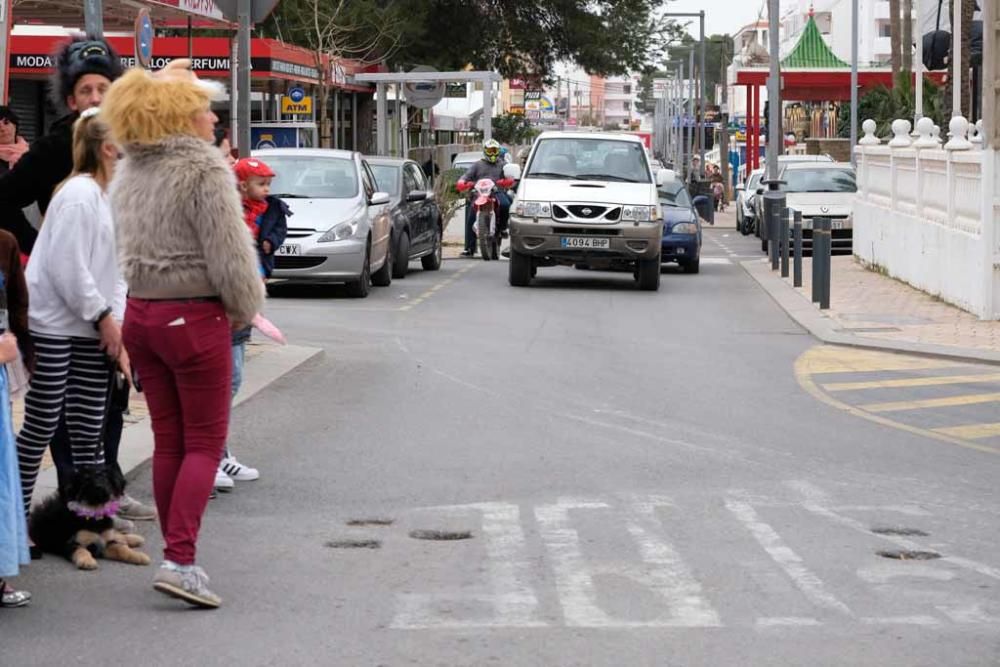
(585, 231)
(587, 212)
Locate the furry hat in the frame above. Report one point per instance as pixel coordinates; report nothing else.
(145, 108)
(78, 57)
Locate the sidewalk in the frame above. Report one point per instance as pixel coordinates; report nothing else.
(868, 309)
(265, 363)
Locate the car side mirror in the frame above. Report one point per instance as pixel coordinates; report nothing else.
(665, 176)
(740, 188)
(417, 195)
(512, 171)
(378, 199)
(760, 191)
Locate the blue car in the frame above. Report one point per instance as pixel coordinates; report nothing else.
(681, 227)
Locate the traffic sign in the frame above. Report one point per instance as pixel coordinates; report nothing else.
(259, 9)
(423, 94)
(143, 38)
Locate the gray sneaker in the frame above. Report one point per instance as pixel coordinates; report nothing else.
(188, 583)
(130, 508)
(122, 525)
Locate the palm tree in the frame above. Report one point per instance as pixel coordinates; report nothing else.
(895, 36)
(907, 45)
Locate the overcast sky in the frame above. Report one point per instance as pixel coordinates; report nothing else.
(721, 16)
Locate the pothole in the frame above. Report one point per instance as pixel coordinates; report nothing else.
(370, 522)
(354, 544)
(890, 530)
(909, 555)
(441, 535)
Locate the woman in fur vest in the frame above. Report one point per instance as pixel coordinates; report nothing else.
(192, 275)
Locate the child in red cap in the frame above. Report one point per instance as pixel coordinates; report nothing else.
(265, 216)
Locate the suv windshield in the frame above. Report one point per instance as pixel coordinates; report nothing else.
(313, 177)
(674, 194)
(589, 159)
(819, 180)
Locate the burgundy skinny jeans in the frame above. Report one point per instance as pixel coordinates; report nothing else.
(182, 354)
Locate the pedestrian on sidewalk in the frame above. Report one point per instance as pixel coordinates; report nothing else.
(77, 304)
(266, 219)
(193, 278)
(13, 524)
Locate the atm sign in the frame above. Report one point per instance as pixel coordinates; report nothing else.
(303, 107)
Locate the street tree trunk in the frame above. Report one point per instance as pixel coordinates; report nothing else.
(968, 9)
(907, 36)
(895, 36)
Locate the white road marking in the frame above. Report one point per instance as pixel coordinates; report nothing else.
(901, 620)
(508, 570)
(715, 260)
(772, 621)
(662, 571)
(883, 573)
(968, 614)
(788, 560)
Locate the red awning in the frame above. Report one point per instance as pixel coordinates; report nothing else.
(30, 57)
(821, 85)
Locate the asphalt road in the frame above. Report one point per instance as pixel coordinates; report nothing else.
(646, 479)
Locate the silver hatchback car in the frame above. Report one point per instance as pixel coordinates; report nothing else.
(340, 226)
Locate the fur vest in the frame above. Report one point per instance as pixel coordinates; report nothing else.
(180, 226)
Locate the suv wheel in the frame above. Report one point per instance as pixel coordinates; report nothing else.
(521, 269)
(648, 274)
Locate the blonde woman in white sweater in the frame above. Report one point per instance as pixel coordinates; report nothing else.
(76, 303)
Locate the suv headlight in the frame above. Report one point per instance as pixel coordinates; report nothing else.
(533, 209)
(641, 213)
(341, 232)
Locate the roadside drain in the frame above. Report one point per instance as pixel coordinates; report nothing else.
(441, 535)
(915, 532)
(909, 555)
(354, 544)
(370, 522)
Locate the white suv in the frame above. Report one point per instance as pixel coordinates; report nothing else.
(587, 200)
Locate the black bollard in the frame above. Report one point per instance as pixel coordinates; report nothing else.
(822, 246)
(774, 206)
(797, 243)
(783, 236)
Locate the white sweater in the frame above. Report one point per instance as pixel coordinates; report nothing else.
(73, 272)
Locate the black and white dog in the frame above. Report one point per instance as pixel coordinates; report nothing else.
(77, 521)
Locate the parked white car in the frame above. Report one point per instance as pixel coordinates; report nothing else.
(745, 195)
(340, 226)
(823, 189)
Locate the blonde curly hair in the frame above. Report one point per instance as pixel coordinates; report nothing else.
(145, 108)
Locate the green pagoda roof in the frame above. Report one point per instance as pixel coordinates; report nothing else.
(812, 52)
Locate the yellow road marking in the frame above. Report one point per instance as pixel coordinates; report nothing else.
(946, 402)
(912, 382)
(431, 290)
(847, 360)
(972, 431)
(804, 366)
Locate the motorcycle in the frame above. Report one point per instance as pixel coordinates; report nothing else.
(486, 207)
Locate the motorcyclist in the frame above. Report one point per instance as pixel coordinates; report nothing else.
(491, 167)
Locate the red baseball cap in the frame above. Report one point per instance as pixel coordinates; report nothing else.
(251, 166)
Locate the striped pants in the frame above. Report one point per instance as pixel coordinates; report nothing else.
(71, 375)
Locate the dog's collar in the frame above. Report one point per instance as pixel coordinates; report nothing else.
(108, 509)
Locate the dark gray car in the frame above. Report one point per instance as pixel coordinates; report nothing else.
(416, 219)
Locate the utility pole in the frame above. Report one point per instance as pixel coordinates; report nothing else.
(724, 108)
(854, 80)
(701, 116)
(692, 96)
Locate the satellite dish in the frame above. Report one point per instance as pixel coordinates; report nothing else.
(423, 94)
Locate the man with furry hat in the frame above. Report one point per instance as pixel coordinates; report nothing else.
(84, 70)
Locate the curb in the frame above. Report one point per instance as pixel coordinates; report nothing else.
(137, 439)
(824, 328)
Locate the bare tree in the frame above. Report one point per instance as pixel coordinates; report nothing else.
(336, 30)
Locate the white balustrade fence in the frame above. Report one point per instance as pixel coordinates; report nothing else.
(927, 215)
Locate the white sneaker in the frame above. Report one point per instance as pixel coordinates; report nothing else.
(238, 471)
(222, 481)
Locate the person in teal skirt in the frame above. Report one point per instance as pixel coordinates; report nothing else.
(13, 528)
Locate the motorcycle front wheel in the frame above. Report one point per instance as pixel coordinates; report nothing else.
(483, 230)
